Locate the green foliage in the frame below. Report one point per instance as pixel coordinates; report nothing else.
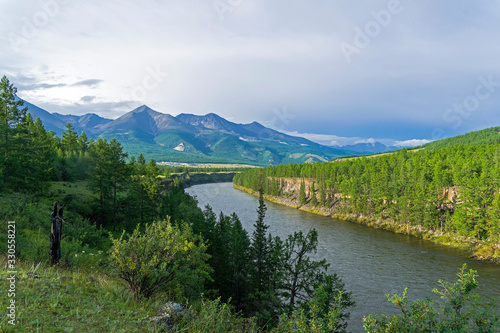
(23, 145)
(263, 268)
(52, 299)
(301, 276)
(165, 258)
(230, 249)
(450, 189)
(486, 136)
(109, 175)
(314, 198)
(215, 316)
(318, 315)
(461, 311)
(302, 194)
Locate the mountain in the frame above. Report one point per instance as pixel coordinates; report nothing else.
(86, 122)
(49, 121)
(210, 138)
(146, 120)
(192, 138)
(369, 148)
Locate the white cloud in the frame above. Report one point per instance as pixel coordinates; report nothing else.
(261, 55)
(411, 143)
(370, 141)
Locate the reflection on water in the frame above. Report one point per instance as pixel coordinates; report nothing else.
(371, 262)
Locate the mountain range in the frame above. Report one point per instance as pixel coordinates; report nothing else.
(193, 138)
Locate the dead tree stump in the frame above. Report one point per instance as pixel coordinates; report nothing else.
(55, 235)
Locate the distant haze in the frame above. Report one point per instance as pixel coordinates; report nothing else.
(336, 72)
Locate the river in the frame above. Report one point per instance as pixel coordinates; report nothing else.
(371, 262)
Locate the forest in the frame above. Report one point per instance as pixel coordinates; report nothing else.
(453, 189)
(131, 241)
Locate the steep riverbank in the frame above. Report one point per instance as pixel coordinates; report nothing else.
(196, 178)
(477, 249)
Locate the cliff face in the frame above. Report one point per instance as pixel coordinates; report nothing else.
(339, 205)
(292, 185)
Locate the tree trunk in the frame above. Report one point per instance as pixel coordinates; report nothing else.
(55, 235)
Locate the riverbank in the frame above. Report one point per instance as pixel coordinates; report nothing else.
(479, 250)
(188, 179)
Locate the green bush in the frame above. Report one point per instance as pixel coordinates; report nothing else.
(215, 316)
(462, 311)
(165, 258)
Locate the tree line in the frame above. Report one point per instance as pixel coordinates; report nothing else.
(412, 188)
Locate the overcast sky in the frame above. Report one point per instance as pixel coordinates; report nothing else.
(338, 72)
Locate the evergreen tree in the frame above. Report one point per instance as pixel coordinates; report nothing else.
(262, 270)
(13, 135)
(119, 171)
(83, 143)
(101, 181)
(69, 142)
(302, 194)
(314, 199)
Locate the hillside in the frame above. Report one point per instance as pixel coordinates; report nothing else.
(486, 136)
(193, 138)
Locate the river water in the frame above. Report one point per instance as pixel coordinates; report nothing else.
(371, 262)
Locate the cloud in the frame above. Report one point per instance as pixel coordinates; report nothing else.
(411, 143)
(261, 55)
(88, 83)
(87, 99)
(369, 141)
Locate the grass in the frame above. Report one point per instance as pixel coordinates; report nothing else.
(78, 188)
(50, 299)
(58, 299)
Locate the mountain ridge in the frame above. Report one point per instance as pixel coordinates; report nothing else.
(193, 138)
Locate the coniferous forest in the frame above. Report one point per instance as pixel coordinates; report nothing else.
(133, 241)
(453, 189)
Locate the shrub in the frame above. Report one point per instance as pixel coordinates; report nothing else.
(216, 316)
(165, 257)
(462, 311)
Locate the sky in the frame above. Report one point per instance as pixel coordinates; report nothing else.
(337, 72)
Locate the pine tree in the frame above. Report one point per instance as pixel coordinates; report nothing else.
(260, 247)
(302, 194)
(101, 181)
(314, 199)
(13, 135)
(119, 171)
(69, 142)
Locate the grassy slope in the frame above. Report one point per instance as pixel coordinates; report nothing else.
(76, 300)
(79, 295)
